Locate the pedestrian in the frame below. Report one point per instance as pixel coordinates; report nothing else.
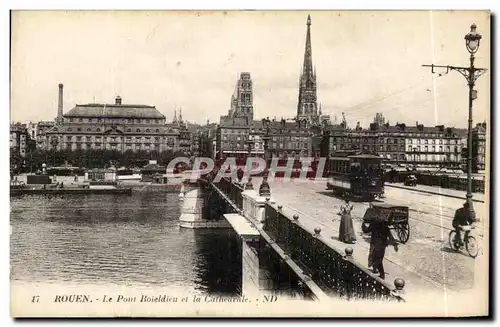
(380, 237)
(346, 229)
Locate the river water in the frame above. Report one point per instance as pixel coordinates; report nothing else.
(119, 240)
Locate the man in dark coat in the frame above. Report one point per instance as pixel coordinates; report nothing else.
(463, 216)
(380, 237)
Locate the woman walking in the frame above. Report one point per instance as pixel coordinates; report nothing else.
(346, 230)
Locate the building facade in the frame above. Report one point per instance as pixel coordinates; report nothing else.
(117, 126)
(479, 147)
(437, 145)
(19, 139)
(37, 132)
(401, 144)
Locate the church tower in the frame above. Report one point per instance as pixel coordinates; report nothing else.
(242, 98)
(307, 107)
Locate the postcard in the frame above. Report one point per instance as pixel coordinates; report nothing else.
(250, 163)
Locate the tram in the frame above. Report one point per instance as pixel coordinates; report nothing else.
(353, 174)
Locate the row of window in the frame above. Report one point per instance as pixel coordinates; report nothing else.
(394, 141)
(96, 145)
(272, 145)
(432, 149)
(254, 131)
(433, 141)
(114, 121)
(401, 148)
(257, 137)
(434, 157)
(365, 140)
(119, 138)
(129, 130)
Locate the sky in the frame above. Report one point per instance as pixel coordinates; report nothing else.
(366, 62)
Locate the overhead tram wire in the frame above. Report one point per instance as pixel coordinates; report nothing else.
(418, 103)
(377, 99)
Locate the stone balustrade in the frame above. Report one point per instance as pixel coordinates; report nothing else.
(254, 207)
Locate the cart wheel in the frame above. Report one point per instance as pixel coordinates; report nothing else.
(403, 231)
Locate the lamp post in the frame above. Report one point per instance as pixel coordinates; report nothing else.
(264, 189)
(471, 74)
(249, 185)
(266, 138)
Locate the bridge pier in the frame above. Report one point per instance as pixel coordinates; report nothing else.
(255, 277)
(193, 213)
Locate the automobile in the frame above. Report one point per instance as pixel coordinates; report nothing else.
(410, 180)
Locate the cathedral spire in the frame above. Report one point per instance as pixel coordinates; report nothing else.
(307, 107)
(175, 116)
(307, 69)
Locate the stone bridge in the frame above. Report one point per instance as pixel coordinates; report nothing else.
(275, 245)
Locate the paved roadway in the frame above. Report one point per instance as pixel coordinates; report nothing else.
(425, 261)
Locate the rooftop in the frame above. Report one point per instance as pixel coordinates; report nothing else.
(114, 110)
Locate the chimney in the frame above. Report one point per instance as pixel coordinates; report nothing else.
(60, 103)
(118, 101)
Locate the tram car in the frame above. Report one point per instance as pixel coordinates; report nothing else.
(352, 174)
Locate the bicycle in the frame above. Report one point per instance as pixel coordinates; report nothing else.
(469, 242)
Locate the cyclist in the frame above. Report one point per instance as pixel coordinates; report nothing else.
(463, 217)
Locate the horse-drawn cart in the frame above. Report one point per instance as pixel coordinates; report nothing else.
(395, 216)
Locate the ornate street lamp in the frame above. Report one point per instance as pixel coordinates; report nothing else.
(471, 74)
(264, 189)
(249, 185)
(472, 40)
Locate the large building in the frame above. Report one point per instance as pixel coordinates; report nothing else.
(115, 126)
(403, 144)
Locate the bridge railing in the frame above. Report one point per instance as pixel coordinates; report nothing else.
(232, 190)
(335, 272)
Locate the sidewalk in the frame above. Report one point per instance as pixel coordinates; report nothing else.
(414, 282)
(476, 197)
